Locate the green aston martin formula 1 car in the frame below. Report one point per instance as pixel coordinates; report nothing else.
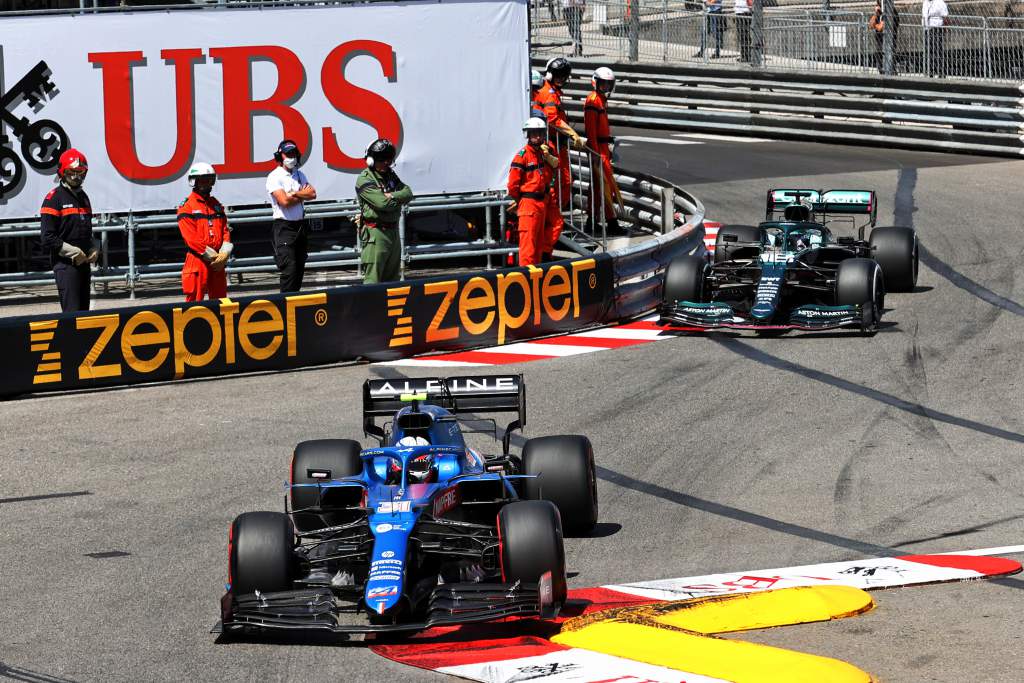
(792, 271)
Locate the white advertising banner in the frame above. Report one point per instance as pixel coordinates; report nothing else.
(144, 95)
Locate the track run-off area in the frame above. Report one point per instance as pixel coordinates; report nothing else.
(716, 453)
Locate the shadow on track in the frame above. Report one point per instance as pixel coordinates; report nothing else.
(904, 215)
(759, 356)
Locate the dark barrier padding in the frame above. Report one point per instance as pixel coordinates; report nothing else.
(376, 322)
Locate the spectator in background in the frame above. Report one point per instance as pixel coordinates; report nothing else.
(743, 9)
(934, 15)
(713, 26)
(573, 10)
(65, 225)
(204, 227)
(289, 190)
(878, 27)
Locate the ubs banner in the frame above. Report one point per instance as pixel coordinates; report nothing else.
(376, 322)
(145, 94)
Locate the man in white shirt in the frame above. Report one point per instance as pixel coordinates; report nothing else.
(743, 9)
(933, 18)
(289, 190)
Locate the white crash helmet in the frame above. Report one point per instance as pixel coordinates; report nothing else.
(534, 123)
(198, 169)
(603, 74)
(409, 441)
(536, 80)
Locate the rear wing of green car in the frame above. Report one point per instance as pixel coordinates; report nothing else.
(824, 202)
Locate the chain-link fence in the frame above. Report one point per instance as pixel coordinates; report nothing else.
(967, 46)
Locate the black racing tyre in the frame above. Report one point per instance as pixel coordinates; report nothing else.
(684, 280)
(530, 544)
(743, 233)
(336, 457)
(261, 553)
(859, 281)
(566, 476)
(895, 250)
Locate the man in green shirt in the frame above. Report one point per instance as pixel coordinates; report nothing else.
(381, 195)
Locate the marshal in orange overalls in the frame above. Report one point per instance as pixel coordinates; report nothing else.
(203, 224)
(549, 97)
(529, 183)
(599, 136)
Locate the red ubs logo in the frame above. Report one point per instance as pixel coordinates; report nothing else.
(240, 108)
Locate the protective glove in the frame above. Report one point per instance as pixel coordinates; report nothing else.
(227, 248)
(579, 142)
(77, 256)
(513, 206)
(94, 255)
(219, 261)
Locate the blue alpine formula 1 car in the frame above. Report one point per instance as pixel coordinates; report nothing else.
(791, 272)
(420, 531)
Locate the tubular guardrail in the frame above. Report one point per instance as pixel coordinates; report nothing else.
(977, 117)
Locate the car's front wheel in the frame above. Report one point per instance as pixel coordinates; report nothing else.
(859, 282)
(530, 533)
(261, 553)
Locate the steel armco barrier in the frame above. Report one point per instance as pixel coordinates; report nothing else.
(917, 113)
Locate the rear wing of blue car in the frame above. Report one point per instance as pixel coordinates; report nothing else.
(477, 394)
(823, 202)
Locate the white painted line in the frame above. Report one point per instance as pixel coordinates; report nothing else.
(430, 362)
(545, 350)
(660, 141)
(624, 333)
(1004, 550)
(723, 138)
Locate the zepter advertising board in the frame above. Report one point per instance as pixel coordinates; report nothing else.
(144, 95)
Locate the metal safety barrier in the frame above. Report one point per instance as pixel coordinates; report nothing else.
(490, 245)
(978, 117)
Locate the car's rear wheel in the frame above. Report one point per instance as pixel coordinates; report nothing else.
(726, 250)
(261, 553)
(530, 544)
(315, 461)
(566, 476)
(896, 251)
(859, 282)
(684, 280)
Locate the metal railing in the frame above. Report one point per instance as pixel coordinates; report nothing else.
(580, 234)
(817, 40)
(978, 117)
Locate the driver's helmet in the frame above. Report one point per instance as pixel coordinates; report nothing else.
(798, 241)
(421, 469)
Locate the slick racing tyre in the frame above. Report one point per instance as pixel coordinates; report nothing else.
(684, 280)
(859, 282)
(566, 476)
(895, 250)
(530, 544)
(725, 251)
(261, 553)
(333, 458)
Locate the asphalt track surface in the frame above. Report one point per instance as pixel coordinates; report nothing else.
(717, 453)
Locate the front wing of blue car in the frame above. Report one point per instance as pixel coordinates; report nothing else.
(319, 609)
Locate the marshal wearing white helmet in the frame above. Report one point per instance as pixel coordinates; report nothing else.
(595, 120)
(204, 227)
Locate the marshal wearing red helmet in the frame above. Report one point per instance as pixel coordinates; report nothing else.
(66, 232)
